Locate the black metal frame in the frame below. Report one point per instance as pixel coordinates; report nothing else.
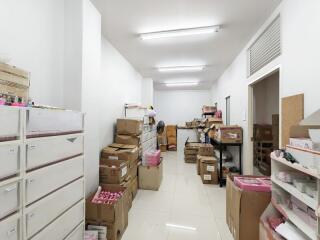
(221, 147)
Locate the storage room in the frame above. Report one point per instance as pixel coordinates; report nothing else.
(162, 120)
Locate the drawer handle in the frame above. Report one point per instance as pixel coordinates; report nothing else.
(72, 140)
(10, 189)
(12, 231)
(12, 150)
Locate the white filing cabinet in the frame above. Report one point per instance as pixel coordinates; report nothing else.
(41, 174)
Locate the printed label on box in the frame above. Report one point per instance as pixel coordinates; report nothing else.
(113, 158)
(124, 171)
(102, 231)
(207, 177)
(210, 168)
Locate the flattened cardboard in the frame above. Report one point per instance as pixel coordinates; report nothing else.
(150, 178)
(128, 140)
(129, 127)
(113, 171)
(243, 211)
(117, 151)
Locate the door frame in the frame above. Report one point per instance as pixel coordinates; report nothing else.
(253, 80)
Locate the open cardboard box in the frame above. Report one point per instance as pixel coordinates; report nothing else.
(117, 151)
(113, 216)
(129, 127)
(243, 211)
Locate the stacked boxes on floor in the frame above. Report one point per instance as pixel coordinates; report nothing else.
(191, 152)
(207, 164)
(171, 131)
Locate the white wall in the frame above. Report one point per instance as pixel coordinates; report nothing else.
(120, 84)
(300, 23)
(180, 106)
(147, 92)
(266, 99)
(32, 35)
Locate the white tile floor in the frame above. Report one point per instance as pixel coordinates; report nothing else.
(182, 200)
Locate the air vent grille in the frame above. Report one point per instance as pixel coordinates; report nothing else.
(266, 48)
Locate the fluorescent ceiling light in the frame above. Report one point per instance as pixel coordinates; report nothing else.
(181, 69)
(181, 84)
(181, 227)
(179, 32)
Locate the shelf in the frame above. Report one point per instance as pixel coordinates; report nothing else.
(290, 215)
(296, 166)
(311, 202)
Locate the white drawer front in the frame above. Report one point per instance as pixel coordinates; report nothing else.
(40, 214)
(45, 180)
(9, 229)
(9, 155)
(53, 121)
(9, 199)
(48, 150)
(77, 234)
(9, 118)
(64, 225)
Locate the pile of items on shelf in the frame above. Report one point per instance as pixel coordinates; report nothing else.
(265, 139)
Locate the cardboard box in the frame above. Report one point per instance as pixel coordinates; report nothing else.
(190, 158)
(191, 151)
(198, 164)
(113, 216)
(172, 141)
(113, 171)
(262, 132)
(209, 170)
(134, 187)
(117, 151)
(265, 167)
(243, 211)
(163, 147)
(129, 127)
(206, 150)
(213, 121)
(171, 131)
(229, 134)
(133, 168)
(128, 140)
(150, 178)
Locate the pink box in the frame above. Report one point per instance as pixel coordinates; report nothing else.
(253, 184)
(151, 158)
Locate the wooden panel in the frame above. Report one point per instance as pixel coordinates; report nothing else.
(292, 113)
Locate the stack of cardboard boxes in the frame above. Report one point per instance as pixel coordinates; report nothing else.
(191, 152)
(207, 164)
(171, 132)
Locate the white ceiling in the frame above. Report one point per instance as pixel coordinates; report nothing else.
(123, 20)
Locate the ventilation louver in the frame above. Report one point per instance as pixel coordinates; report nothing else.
(266, 48)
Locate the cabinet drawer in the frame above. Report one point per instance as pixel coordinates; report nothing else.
(9, 228)
(77, 234)
(9, 199)
(46, 210)
(9, 160)
(63, 226)
(44, 151)
(45, 180)
(42, 122)
(9, 119)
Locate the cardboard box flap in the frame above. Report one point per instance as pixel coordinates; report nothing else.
(118, 147)
(313, 119)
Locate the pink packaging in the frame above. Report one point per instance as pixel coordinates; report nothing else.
(253, 184)
(151, 158)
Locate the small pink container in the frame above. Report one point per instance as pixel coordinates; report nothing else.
(253, 184)
(2, 102)
(151, 158)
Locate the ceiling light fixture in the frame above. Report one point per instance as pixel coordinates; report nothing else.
(179, 32)
(181, 84)
(181, 227)
(181, 69)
